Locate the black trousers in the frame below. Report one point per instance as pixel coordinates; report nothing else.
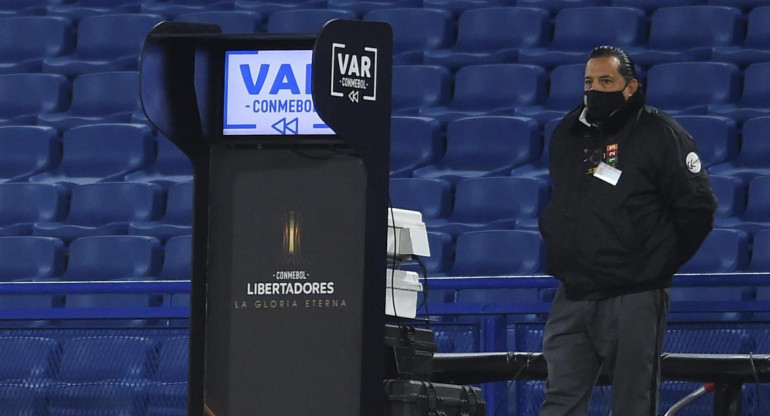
(620, 336)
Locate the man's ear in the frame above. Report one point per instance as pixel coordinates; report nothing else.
(631, 88)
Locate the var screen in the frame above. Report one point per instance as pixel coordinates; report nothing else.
(268, 92)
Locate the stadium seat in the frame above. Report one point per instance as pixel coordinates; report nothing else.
(457, 7)
(432, 197)
(760, 257)
(266, 7)
(26, 370)
(485, 146)
(80, 9)
(415, 31)
(419, 86)
(650, 6)
(102, 376)
(26, 40)
(177, 219)
(22, 204)
(756, 46)
(177, 263)
(669, 86)
(101, 97)
(105, 209)
(304, 21)
(755, 101)
(361, 7)
(441, 255)
(168, 395)
(493, 204)
(9, 8)
(498, 252)
(565, 93)
(25, 96)
(687, 33)
(415, 142)
(622, 27)
(684, 296)
(730, 194)
(494, 89)
(30, 258)
(492, 35)
(101, 153)
(227, 20)
(171, 166)
(27, 150)
(173, 8)
(757, 214)
(105, 43)
(716, 137)
(539, 168)
(745, 5)
(754, 157)
(554, 6)
(724, 250)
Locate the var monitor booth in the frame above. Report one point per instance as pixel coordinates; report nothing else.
(289, 139)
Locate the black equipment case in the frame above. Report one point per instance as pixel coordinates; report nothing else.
(422, 398)
(409, 352)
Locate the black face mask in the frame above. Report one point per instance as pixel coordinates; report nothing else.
(600, 104)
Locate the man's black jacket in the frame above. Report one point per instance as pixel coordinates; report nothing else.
(606, 240)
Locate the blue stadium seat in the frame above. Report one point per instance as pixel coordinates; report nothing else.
(554, 6)
(101, 97)
(31, 258)
(24, 96)
(565, 93)
(80, 9)
(103, 376)
(101, 153)
(168, 395)
(267, 7)
(27, 150)
(760, 256)
(304, 20)
(485, 146)
(687, 33)
(22, 204)
(745, 5)
(493, 204)
(26, 40)
(757, 214)
(668, 86)
(539, 168)
(730, 194)
(9, 8)
(173, 8)
(683, 296)
(361, 7)
(457, 7)
(171, 166)
(419, 86)
(177, 219)
(493, 89)
(498, 252)
(716, 137)
(492, 35)
(724, 250)
(754, 157)
(441, 254)
(756, 46)
(415, 142)
(755, 101)
(432, 197)
(105, 43)
(177, 263)
(622, 27)
(26, 370)
(650, 6)
(415, 31)
(227, 20)
(105, 209)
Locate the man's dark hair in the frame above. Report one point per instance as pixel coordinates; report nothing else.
(625, 66)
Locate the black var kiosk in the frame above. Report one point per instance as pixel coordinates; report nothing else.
(291, 195)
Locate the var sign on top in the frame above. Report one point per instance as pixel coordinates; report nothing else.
(269, 93)
(354, 73)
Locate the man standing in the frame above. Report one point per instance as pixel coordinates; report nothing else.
(631, 203)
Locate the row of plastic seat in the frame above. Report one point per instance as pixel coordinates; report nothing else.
(94, 375)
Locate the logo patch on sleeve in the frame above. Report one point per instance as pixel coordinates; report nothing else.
(693, 162)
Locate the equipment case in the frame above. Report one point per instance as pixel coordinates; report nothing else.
(422, 398)
(409, 352)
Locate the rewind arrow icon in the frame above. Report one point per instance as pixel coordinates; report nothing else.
(282, 126)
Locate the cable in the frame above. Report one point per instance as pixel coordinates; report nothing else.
(424, 271)
(393, 262)
(510, 383)
(758, 404)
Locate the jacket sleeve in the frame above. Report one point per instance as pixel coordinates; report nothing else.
(685, 188)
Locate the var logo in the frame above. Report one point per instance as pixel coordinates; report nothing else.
(283, 79)
(354, 73)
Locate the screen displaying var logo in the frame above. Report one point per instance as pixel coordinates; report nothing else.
(354, 73)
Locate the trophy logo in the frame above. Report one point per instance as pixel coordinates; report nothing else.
(292, 238)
